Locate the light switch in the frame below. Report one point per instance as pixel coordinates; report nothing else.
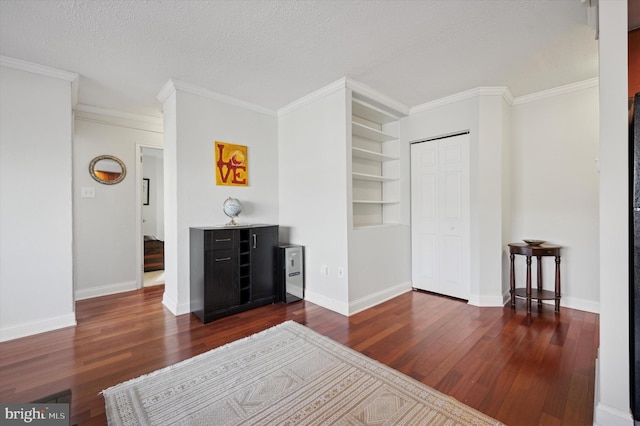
(88, 192)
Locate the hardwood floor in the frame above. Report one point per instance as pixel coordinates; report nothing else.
(520, 369)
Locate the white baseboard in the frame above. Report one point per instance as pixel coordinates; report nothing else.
(567, 302)
(326, 302)
(378, 297)
(28, 329)
(603, 414)
(357, 305)
(175, 307)
(486, 301)
(580, 304)
(606, 415)
(105, 290)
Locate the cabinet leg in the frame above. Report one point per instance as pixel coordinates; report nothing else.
(512, 283)
(539, 279)
(558, 292)
(529, 284)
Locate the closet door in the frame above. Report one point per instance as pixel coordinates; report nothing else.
(440, 231)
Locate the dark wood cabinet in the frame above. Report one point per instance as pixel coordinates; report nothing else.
(232, 269)
(220, 271)
(264, 251)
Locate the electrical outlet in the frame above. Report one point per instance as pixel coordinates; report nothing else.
(88, 192)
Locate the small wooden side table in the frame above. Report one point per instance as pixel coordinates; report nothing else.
(538, 293)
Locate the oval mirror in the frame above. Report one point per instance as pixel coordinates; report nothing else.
(107, 169)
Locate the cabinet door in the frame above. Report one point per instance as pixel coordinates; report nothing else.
(221, 286)
(264, 245)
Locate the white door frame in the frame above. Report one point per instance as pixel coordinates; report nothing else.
(465, 272)
(138, 204)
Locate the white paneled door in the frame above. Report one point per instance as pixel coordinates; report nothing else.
(440, 216)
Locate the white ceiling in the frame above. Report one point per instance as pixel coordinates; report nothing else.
(272, 52)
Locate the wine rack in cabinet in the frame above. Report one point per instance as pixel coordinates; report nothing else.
(374, 165)
(232, 269)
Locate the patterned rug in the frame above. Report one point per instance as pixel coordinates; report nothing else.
(286, 375)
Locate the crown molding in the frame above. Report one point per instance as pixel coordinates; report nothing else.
(506, 94)
(360, 91)
(19, 64)
(496, 91)
(83, 108)
(175, 85)
(34, 68)
(561, 90)
(467, 94)
(167, 90)
(313, 96)
(366, 93)
(118, 118)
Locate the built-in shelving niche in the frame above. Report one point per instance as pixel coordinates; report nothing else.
(374, 165)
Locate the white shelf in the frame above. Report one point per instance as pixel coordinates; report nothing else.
(371, 113)
(374, 178)
(375, 187)
(371, 155)
(370, 133)
(374, 202)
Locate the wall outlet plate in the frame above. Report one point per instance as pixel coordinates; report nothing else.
(88, 192)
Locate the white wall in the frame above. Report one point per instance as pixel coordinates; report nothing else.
(315, 206)
(484, 114)
(491, 207)
(105, 238)
(507, 190)
(170, 137)
(380, 256)
(612, 382)
(36, 270)
(555, 187)
(533, 175)
(379, 265)
(194, 120)
(313, 194)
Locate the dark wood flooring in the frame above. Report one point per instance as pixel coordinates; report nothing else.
(536, 369)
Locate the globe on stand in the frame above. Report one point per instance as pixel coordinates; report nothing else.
(232, 208)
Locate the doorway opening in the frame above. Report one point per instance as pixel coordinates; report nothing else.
(151, 215)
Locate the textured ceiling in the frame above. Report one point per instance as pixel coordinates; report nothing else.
(271, 53)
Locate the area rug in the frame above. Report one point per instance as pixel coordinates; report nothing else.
(286, 375)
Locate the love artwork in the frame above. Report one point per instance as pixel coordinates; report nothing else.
(231, 164)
